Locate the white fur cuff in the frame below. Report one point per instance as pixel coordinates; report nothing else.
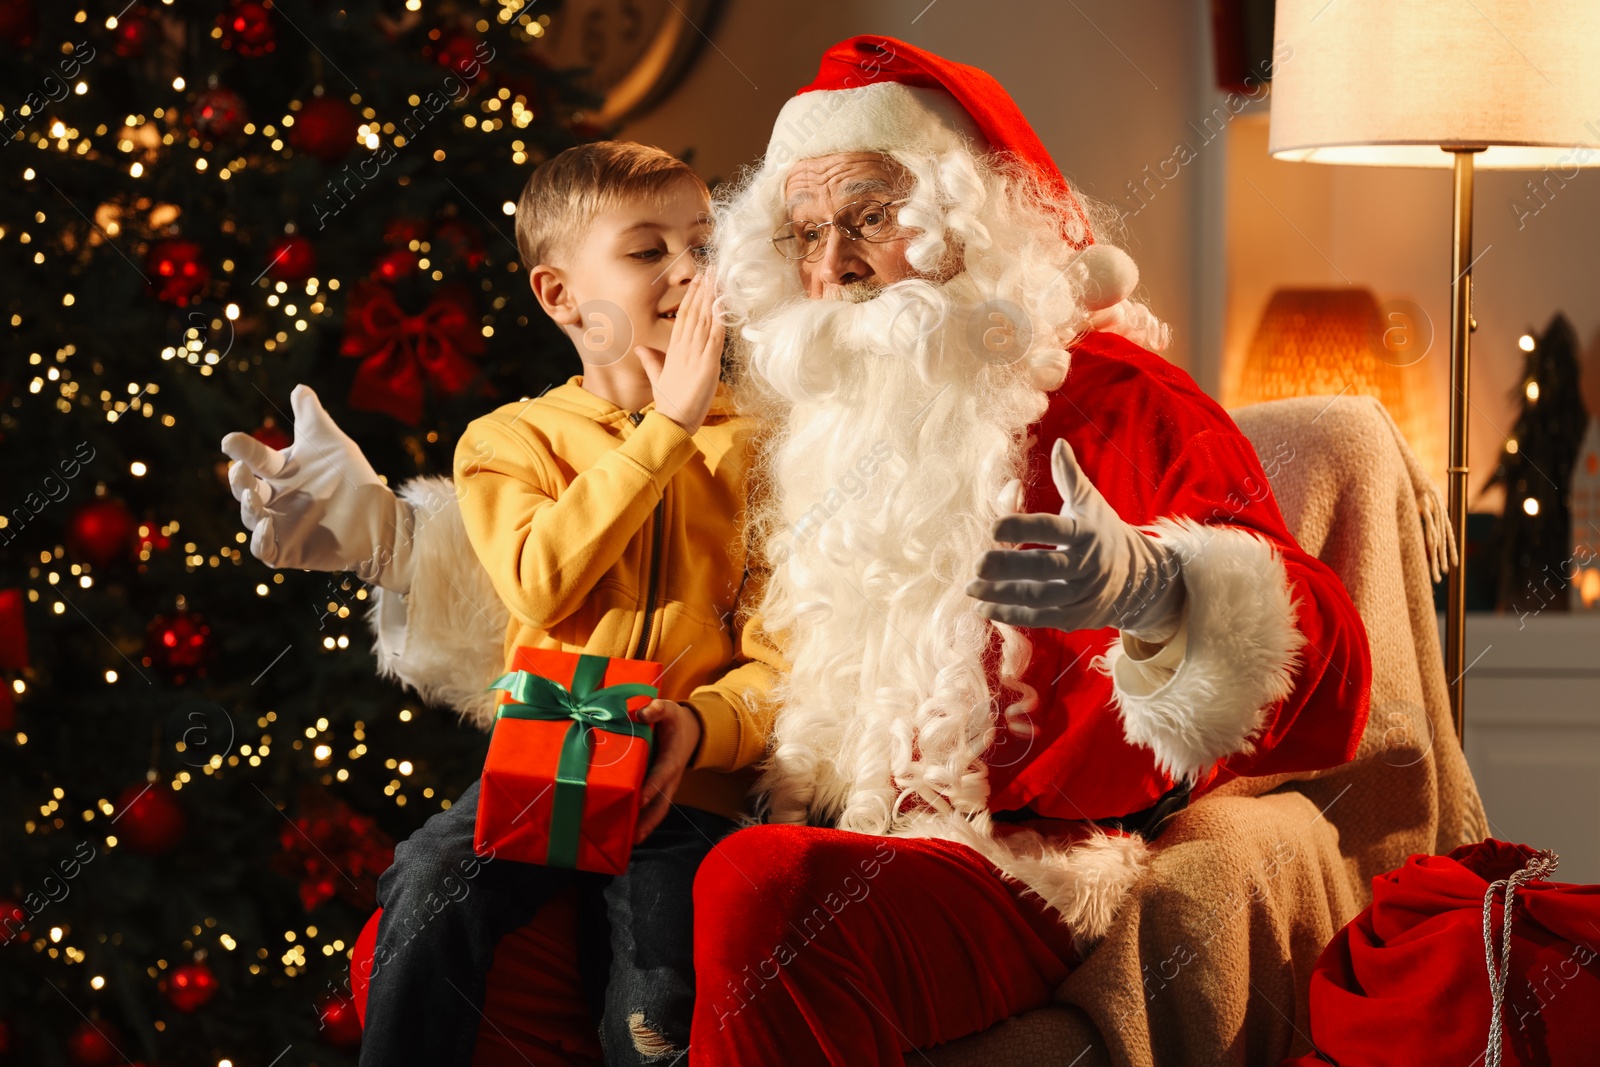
(1240, 656)
(446, 637)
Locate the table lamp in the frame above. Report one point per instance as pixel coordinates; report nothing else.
(1319, 342)
(1502, 84)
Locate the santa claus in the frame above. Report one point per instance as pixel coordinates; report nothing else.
(1031, 586)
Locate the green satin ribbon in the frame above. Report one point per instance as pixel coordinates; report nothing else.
(590, 708)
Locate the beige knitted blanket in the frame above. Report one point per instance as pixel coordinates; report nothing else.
(1210, 958)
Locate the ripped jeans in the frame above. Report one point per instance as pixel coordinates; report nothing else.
(445, 909)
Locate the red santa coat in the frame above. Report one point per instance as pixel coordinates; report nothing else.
(1276, 670)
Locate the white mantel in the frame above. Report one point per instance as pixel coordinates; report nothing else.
(1533, 731)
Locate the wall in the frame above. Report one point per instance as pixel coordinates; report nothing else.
(760, 53)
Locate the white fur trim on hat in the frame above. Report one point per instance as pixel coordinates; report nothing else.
(880, 117)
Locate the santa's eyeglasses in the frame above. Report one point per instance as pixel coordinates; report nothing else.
(860, 221)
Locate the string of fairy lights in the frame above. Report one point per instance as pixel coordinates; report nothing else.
(1530, 389)
(317, 739)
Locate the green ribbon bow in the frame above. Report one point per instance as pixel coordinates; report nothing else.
(590, 708)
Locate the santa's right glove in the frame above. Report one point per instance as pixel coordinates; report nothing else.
(318, 504)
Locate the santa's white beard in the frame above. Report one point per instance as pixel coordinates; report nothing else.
(896, 444)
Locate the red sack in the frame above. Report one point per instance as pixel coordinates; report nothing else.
(1408, 981)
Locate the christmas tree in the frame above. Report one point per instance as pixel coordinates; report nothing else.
(1530, 550)
(200, 775)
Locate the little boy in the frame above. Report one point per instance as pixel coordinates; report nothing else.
(608, 513)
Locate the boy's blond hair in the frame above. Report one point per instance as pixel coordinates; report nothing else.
(565, 193)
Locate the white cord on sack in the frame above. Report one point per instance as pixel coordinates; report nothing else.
(1540, 865)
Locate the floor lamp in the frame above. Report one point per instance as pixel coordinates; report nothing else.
(1499, 84)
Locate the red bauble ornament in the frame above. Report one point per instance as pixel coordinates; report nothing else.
(13, 916)
(219, 113)
(13, 632)
(150, 821)
(292, 259)
(457, 53)
(403, 231)
(19, 22)
(176, 271)
(461, 241)
(189, 986)
(13, 657)
(177, 646)
(325, 128)
(133, 34)
(102, 532)
(5, 1038)
(247, 28)
(272, 435)
(151, 538)
(94, 1044)
(341, 1026)
(392, 266)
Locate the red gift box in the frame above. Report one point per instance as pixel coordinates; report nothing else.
(531, 806)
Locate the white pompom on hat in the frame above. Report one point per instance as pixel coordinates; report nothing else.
(1109, 276)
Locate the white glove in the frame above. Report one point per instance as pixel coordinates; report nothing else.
(1104, 572)
(318, 504)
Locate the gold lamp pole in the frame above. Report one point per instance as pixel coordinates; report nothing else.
(1377, 83)
(1461, 326)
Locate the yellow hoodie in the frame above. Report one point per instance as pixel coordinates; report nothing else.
(622, 535)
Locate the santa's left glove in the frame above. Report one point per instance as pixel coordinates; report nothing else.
(1102, 572)
(318, 504)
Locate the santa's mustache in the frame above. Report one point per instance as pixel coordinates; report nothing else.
(856, 292)
(809, 348)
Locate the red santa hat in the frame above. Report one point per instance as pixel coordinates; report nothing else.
(878, 94)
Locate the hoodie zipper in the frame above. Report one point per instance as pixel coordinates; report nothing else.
(655, 562)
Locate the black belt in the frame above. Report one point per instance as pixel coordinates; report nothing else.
(1147, 823)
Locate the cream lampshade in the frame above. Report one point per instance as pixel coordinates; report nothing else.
(1390, 82)
(1510, 83)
